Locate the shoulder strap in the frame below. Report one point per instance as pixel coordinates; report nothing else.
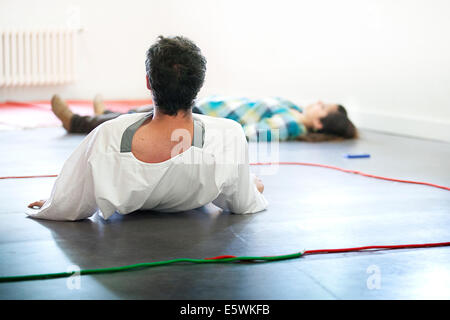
(199, 134)
(127, 137)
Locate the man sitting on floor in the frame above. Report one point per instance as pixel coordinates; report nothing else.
(165, 160)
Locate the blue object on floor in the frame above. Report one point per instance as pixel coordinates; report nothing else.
(355, 156)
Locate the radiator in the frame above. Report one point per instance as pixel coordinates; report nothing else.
(37, 57)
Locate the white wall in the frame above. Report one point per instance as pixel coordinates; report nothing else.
(387, 61)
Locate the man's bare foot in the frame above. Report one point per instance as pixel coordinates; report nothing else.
(99, 106)
(62, 111)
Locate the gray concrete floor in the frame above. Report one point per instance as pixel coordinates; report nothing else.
(310, 208)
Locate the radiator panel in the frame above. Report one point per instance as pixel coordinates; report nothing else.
(37, 57)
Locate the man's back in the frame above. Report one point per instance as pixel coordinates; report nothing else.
(159, 140)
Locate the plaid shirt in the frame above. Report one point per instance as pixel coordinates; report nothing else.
(257, 116)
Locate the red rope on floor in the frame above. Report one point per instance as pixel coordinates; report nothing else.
(350, 171)
(220, 257)
(27, 177)
(385, 247)
(359, 249)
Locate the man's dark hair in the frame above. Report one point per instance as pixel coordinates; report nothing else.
(176, 70)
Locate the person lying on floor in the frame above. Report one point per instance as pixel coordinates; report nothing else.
(316, 122)
(166, 160)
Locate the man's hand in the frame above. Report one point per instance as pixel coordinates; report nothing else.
(259, 184)
(37, 204)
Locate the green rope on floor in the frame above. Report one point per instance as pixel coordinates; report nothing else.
(45, 276)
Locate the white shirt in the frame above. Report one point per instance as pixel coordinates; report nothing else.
(101, 176)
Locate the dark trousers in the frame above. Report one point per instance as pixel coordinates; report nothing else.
(85, 124)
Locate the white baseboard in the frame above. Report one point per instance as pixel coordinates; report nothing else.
(403, 125)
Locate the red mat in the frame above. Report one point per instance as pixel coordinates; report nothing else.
(38, 114)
